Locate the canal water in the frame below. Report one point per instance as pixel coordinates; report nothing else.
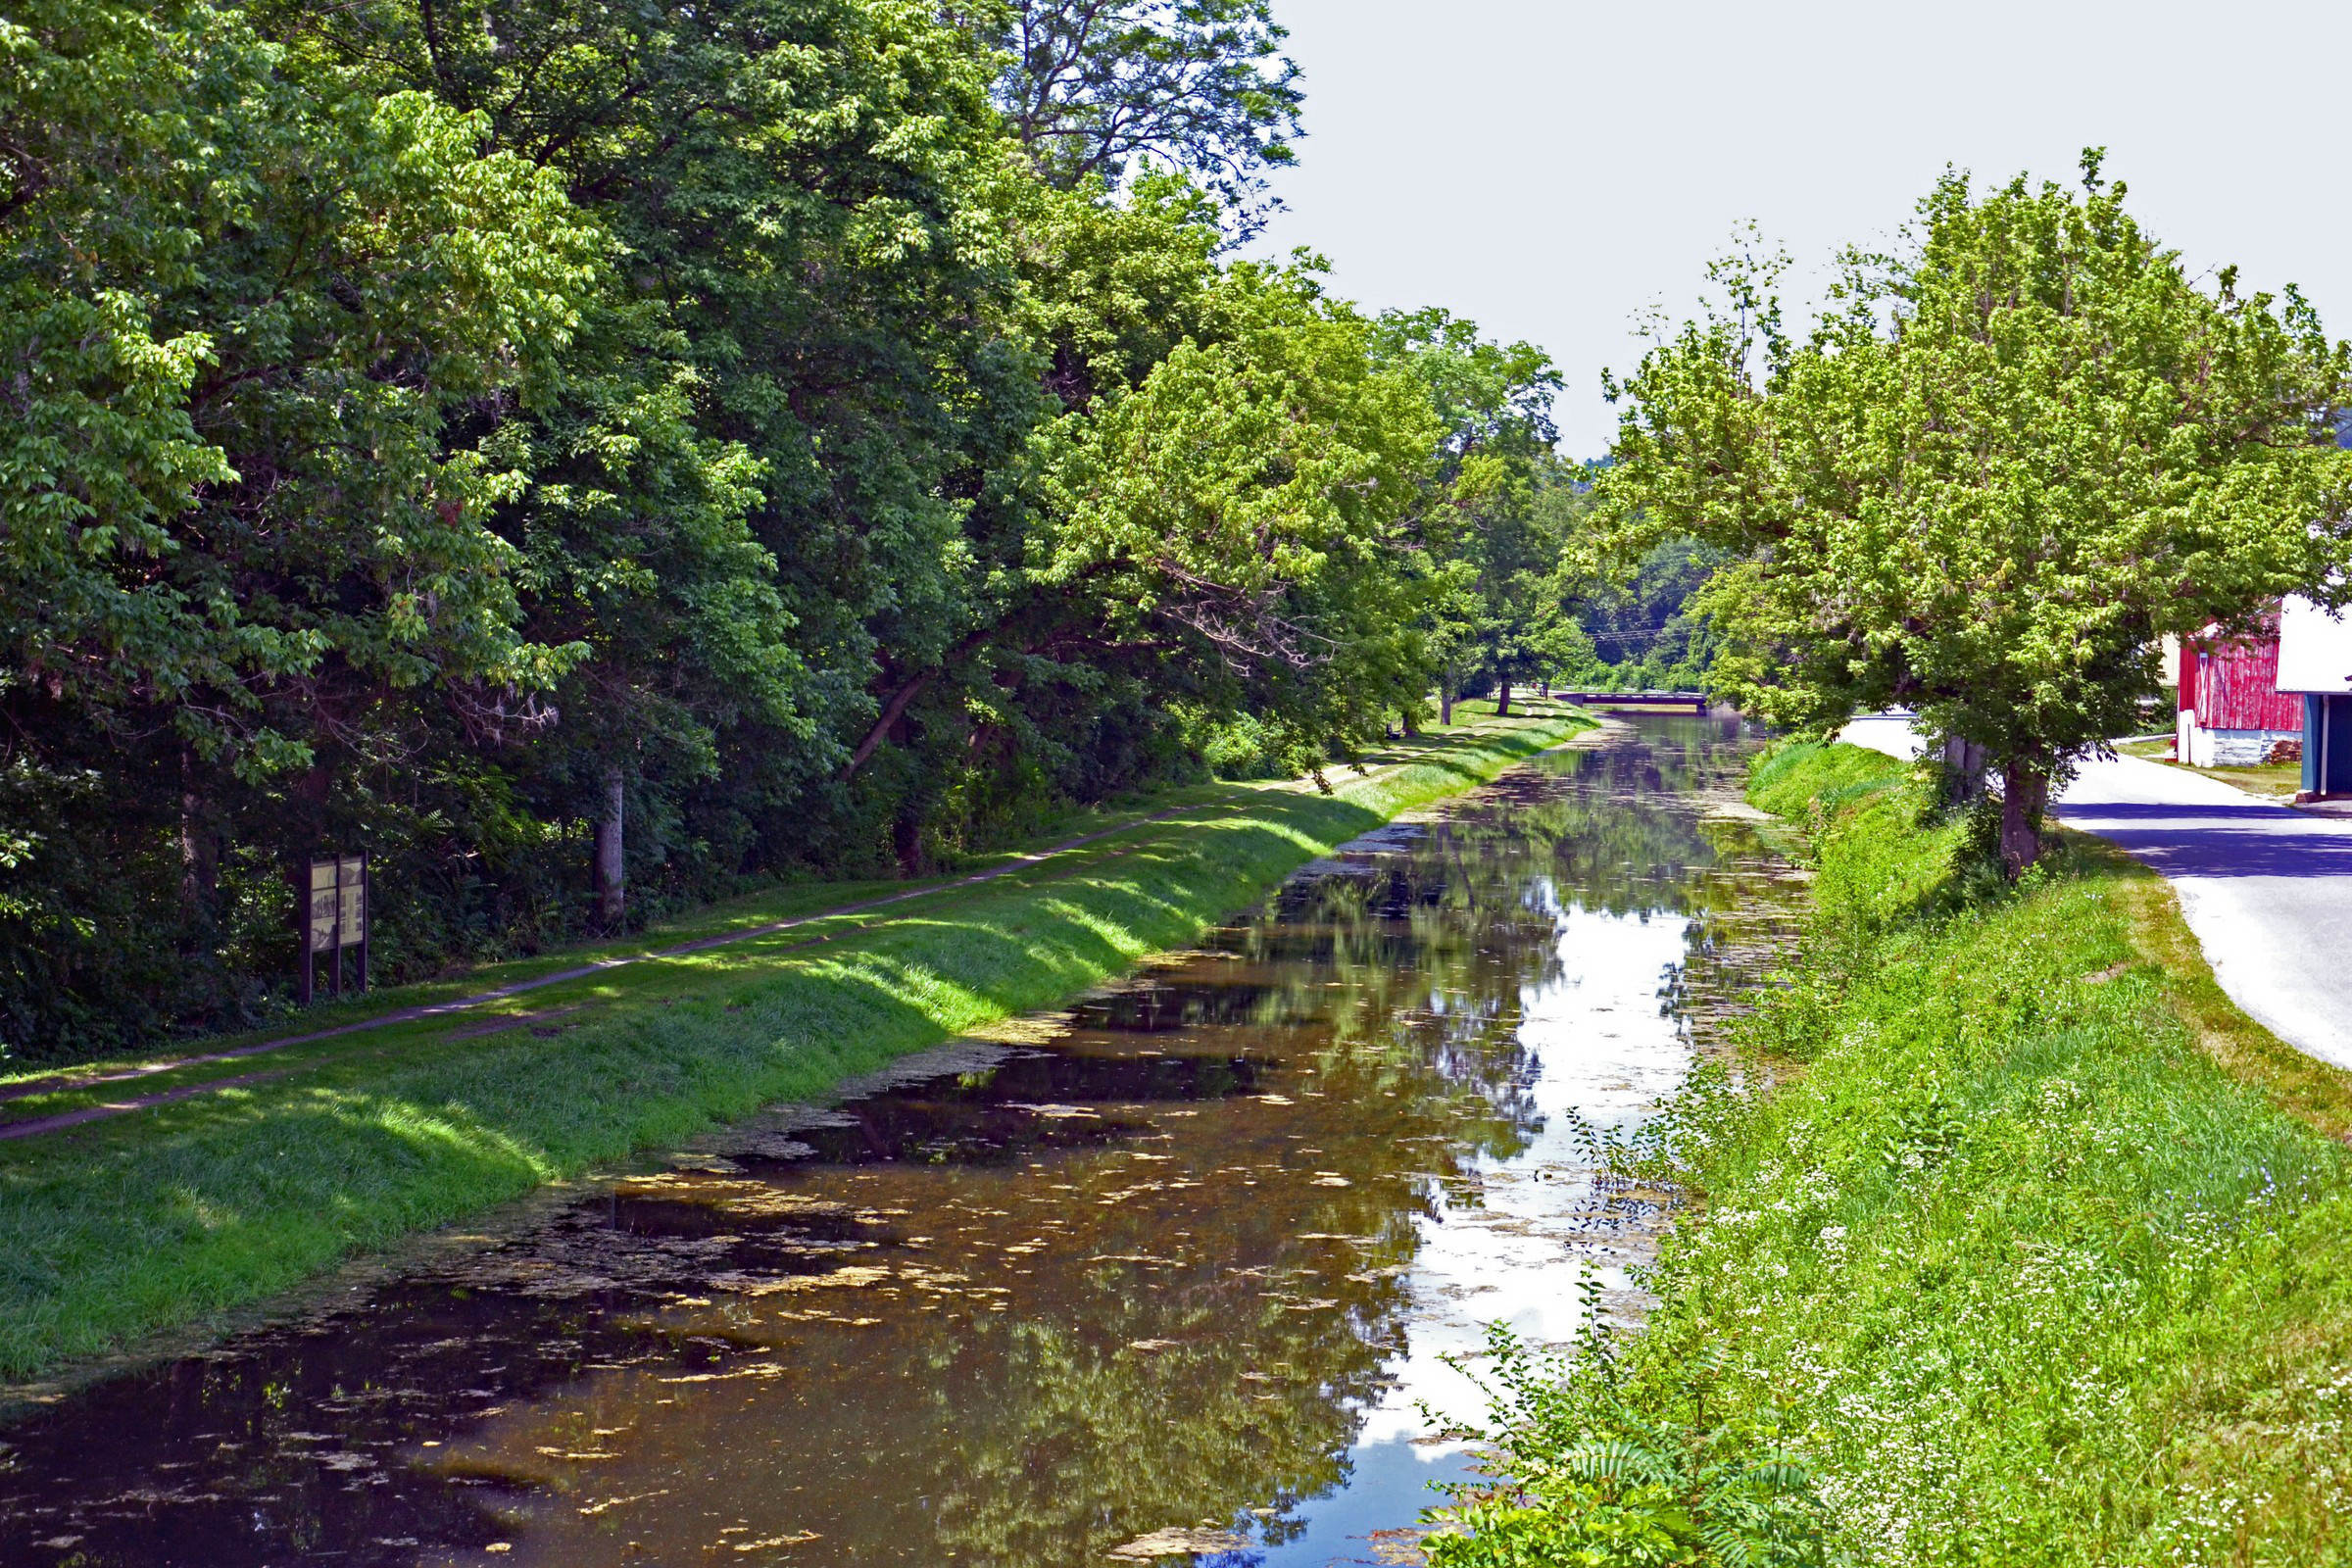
(1181, 1275)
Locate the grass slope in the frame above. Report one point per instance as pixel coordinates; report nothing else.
(2038, 1249)
(159, 1218)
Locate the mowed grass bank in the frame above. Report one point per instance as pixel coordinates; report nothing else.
(161, 1217)
(2038, 1252)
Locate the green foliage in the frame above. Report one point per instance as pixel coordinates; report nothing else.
(1108, 289)
(1245, 504)
(1246, 747)
(223, 508)
(1647, 630)
(2020, 1271)
(1593, 1479)
(1494, 548)
(245, 516)
(2006, 461)
(430, 419)
(1094, 92)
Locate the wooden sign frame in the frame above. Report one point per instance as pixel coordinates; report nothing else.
(333, 916)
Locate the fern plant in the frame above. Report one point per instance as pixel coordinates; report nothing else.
(1584, 1475)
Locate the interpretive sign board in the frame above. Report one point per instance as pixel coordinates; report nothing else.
(334, 920)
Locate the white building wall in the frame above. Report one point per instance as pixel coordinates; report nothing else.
(2314, 648)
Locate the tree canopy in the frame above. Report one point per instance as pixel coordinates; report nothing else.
(1498, 610)
(2003, 464)
(1095, 87)
(598, 457)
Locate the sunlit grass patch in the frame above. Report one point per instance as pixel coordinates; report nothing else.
(2271, 780)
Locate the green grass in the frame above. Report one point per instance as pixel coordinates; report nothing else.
(2035, 1251)
(786, 902)
(167, 1217)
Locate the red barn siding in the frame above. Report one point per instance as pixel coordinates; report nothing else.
(2237, 687)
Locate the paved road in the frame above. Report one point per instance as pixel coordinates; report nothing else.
(2268, 890)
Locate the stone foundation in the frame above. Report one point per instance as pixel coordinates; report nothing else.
(2234, 748)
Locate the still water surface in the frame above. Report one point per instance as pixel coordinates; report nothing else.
(1173, 1275)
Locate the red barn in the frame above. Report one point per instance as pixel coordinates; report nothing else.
(2233, 713)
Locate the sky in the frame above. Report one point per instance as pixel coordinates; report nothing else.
(1552, 167)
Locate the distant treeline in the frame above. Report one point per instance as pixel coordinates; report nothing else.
(724, 443)
(1648, 633)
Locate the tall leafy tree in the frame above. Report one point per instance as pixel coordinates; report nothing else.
(1563, 647)
(1243, 506)
(247, 318)
(1096, 88)
(1027, 700)
(246, 507)
(1495, 612)
(1214, 526)
(2014, 456)
(805, 327)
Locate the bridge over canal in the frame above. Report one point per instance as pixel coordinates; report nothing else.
(1696, 702)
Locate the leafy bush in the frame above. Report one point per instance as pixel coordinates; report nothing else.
(1594, 1479)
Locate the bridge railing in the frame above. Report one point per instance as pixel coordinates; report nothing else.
(1695, 701)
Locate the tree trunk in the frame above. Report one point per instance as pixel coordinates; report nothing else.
(891, 712)
(199, 849)
(895, 709)
(612, 867)
(1411, 724)
(906, 843)
(2025, 790)
(1964, 768)
(1446, 702)
(1502, 699)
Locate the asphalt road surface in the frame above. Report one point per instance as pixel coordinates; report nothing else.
(2266, 889)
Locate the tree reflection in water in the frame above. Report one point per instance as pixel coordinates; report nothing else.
(1148, 1273)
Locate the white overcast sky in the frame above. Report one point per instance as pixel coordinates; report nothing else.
(1549, 167)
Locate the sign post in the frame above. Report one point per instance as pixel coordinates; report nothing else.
(334, 917)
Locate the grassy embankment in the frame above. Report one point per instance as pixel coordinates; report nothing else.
(163, 1216)
(2038, 1252)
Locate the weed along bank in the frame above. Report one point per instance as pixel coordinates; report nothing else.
(1173, 1266)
